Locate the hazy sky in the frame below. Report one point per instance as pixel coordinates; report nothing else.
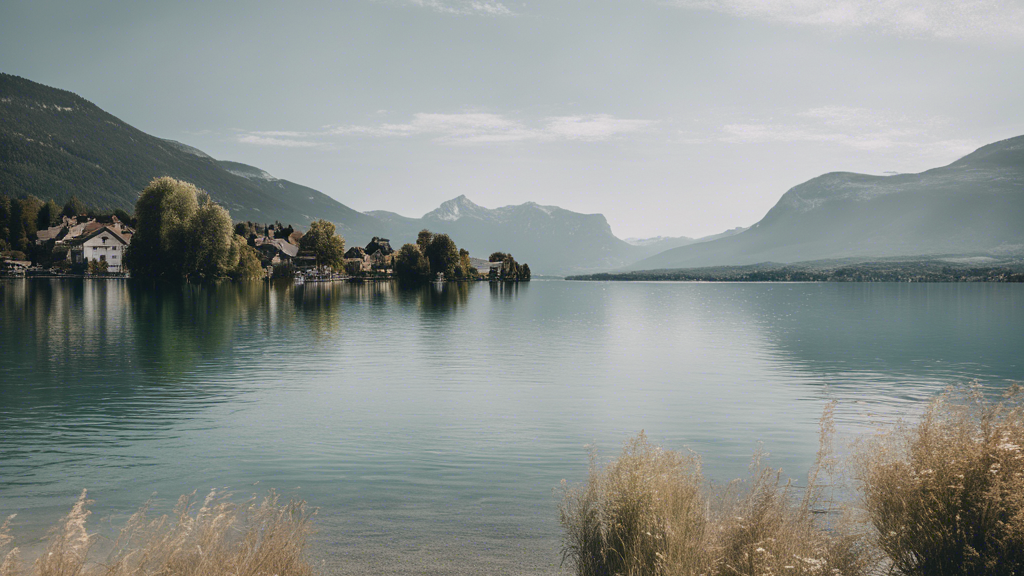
(679, 117)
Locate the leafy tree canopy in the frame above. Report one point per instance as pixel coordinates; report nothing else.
(74, 207)
(326, 246)
(411, 265)
(443, 255)
(423, 240)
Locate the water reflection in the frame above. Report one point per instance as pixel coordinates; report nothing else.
(440, 417)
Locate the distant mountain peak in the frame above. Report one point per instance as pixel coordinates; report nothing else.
(456, 208)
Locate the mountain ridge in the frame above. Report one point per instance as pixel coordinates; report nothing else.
(55, 144)
(972, 205)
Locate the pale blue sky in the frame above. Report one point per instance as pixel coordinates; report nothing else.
(681, 117)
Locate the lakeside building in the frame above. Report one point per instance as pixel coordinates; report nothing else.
(105, 243)
(276, 250)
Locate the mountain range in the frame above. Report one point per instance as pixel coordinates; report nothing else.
(55, 144)
(972, 206)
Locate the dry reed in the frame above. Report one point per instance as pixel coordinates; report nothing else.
(650, 512)
(215, 538)
(946, 496)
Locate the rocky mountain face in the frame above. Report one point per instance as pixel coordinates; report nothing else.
(972, 206)
(551, 240)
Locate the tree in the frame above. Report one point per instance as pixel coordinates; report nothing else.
(5, 220)
(443, 255)
(24, 213)
(125, 217)
(326, 246)
(423, 239)
(49, 215)
(498, 257)
(411, 265)
(526, 272)
(248, 265)
(464, 262)
(163, 213)
(282, 232)
(74, 207)
(209, 247)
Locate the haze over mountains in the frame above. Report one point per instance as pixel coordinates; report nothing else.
(54, 144)
(972, 206)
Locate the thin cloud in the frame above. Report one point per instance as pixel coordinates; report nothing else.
(259, 140)
(858, 128)
(592, 128)
(978, 20)
(464, 8)
(466, 129)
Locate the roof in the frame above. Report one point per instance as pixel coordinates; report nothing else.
(125, 238)
(48, 234)
(280, 244)
(382, 244)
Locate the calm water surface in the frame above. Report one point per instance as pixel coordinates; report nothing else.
(432, 426)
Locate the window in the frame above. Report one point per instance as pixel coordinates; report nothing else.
(103, 257)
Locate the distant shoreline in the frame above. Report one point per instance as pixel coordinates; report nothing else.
(929, 270)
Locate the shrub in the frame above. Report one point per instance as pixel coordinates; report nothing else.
(98, 267)
(254, 538)
(650, 512)
(641, 514)
(947, 496)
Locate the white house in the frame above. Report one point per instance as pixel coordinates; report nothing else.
(105, 245)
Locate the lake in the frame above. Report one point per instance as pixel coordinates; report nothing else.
(432, 427)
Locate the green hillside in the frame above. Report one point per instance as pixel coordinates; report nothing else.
(55, 144)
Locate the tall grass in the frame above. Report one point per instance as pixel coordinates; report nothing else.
(213, 538)
(650, 512)
(947, 496)
(943, 496)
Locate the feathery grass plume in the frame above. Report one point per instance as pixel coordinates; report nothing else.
(69, 544)
(946, 496)
(9, 563)
(643, 513)
(254, 538)
(765, 529)
(650, 512)
(213, 538)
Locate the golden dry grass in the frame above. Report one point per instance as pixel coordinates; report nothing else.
(946, 496)
(650, 512)
(213, 538)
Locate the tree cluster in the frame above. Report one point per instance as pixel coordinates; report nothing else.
(324, 244)
(181, 233)
(22, 218)
(510, 270)
(433, 254)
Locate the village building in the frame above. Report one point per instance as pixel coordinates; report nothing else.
(381, 244)
(14, 267)
(106, 243)
(277, 250)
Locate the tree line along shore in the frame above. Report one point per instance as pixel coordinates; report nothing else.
(179, 233)
(923, 269)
